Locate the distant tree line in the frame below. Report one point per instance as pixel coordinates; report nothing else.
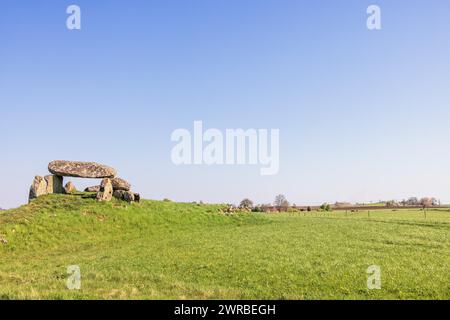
(414, 201)
(281, 204)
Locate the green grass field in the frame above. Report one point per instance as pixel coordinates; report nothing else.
(165, 250)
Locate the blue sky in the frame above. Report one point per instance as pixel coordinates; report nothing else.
(363, 115)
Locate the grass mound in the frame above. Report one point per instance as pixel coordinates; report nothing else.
(167, 250)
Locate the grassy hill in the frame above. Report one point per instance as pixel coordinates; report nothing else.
(166, 250)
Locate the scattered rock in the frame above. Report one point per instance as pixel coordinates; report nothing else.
(54, 184)
(120, 184)
(127, 196)
(38, 188)
(69, 188)
(124, 195)
(80, 169)
(92, 189)
(106, 190)
(118, 194)
(229, 210)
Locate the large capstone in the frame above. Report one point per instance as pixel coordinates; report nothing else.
(38, 188)
(80, 169)
(120, 184)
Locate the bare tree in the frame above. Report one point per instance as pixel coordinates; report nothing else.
(281, 203)
(427, 202)
(391, 203)
(413, 201)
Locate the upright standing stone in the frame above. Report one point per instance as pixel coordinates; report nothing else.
(106, 190)
(38, 188)
(80, 169)
(54, 184)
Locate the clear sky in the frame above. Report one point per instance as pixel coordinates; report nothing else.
(363, 115)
